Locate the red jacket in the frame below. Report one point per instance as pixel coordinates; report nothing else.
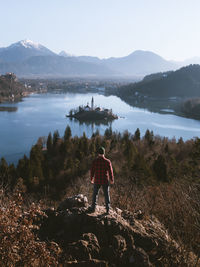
(101, 171)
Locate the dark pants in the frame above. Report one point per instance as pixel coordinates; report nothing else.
(106, 195)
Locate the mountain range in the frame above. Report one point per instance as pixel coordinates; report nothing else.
(26, 58)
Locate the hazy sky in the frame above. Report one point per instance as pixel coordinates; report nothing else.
(105, 28)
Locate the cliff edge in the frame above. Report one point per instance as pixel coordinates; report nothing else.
(120, 238)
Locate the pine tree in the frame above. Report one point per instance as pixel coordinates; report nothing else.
(56, 137)
(68, 133)
(49, 142)
(36, 161)
(108, 132)
(166, 148)
(141, 170)
(96, 133)
(137, 135)
(160, 169)
(84, 144)
(4, 172)
(12, 174)
(97, 143)
(92, 148)
(149, 137)
(129, 152)
(126, 136)
(23, 169)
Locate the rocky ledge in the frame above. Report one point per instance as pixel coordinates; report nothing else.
(120, 238)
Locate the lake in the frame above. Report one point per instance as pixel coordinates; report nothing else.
(39, 114)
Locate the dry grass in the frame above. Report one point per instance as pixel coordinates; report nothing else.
(19, 244)
(176, 205)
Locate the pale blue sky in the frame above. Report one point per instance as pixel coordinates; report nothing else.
(105, 28)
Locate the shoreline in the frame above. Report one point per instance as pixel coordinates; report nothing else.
(14, 99)
(18, 98)
(161, 106)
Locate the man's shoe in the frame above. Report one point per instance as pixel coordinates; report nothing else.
(91, 209)
(107, 208)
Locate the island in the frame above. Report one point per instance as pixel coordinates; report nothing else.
(92, 113)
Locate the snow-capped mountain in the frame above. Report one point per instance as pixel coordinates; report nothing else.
(27, 44)
(27, 58)
(22, 50)
(65, 54)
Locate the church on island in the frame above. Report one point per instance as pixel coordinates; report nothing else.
(88, 108)
(92, 113)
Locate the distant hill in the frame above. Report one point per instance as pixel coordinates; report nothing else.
(140, 63)
(184, 82)
(54, 66)
(26, 58)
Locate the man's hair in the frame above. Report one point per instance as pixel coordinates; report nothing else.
(101, 150)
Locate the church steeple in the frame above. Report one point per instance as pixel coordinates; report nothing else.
(92, 103)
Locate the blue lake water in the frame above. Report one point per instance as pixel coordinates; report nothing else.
(39, 114)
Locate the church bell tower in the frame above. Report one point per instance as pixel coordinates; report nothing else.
(92, 103)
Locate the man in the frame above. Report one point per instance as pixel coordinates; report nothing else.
(101, 174)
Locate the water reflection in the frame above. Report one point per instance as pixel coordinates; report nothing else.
(93, 123)
(8, 109)
(91, 126)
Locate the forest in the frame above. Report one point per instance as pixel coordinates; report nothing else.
(184, 82)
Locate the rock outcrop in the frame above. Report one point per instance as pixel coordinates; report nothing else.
(120, 238)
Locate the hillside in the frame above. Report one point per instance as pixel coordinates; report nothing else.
(10, 88)
(184, 82)
(70, 236)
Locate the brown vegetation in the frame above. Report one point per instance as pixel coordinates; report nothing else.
(19, 243)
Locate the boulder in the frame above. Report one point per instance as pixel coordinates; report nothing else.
(72, 202)
(120, 238)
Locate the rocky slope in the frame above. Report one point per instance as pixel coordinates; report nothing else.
(119, 238)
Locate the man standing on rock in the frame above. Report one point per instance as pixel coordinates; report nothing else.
(101, 175)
